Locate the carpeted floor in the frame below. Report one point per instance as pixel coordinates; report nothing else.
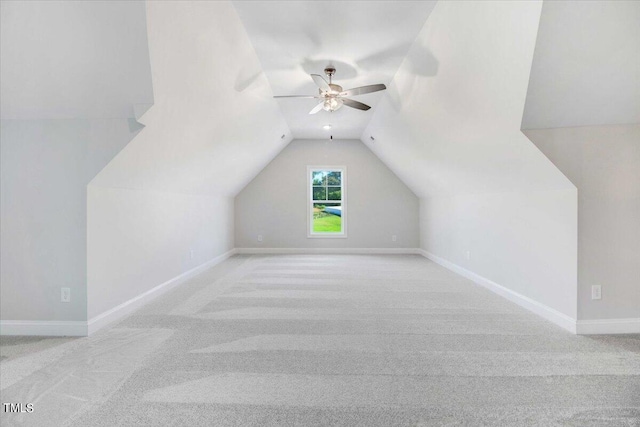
(349, 340)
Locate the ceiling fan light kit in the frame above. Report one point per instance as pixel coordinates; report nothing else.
(333, 97)
(332, 104)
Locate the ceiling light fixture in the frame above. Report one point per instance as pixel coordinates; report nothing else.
(326, 127)
(332, 104)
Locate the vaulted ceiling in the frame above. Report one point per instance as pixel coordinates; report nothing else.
(458, 74)
(365, 41)
(214, 124)
(452, 126)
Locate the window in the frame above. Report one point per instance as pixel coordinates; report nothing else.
(327, 201)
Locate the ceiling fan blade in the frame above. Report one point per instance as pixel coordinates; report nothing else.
(317, 108)
(321, 82)
(363, 89)
(297, 96)
(355, 104)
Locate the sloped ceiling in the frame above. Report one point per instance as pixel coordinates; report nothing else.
(63, 60)
(585, 70)
(214, 124)
(365, 40)
(450, 122)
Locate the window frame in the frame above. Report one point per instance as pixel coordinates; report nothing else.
(343, 202)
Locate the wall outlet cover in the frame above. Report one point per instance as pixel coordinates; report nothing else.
(65, 294)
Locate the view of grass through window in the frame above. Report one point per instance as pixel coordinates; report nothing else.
(327, 201)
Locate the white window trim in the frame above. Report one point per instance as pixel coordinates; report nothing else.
(343, 177)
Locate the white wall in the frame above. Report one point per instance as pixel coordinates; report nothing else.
(213, 126)
(449, 127)
(45, 167)
(451, 124)
(71, 76)
(525, 242)
(140, 239)
(73, 59)
(604, 164)
(582, 102)
(585, 70)
(274, 204)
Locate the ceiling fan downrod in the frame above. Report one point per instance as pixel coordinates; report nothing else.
(330, 71)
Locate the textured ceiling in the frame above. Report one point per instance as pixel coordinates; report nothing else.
(365, 41)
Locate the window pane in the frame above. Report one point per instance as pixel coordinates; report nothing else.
(318, 177)
(334, 178)
(327, 218)
(334, 193)
(319, 193)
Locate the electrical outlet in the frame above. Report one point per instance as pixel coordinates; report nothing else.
(468, 255)
(65, 294)
(394, 238)
(259, 237)
(596, 292)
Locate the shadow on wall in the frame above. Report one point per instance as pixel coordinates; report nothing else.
(420, 62)
(248, 76)
(245, 79)
(419, 59)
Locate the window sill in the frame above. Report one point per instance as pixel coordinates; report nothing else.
(326, 236)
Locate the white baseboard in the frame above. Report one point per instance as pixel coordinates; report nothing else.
(580, 327)
(118, 312)
(84, 328)
(50, 328)
(357, 251)
(609, 326)
(560, 319)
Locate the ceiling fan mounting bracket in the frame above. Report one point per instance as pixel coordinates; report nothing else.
(330, 71)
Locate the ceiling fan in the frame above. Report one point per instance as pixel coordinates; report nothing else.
(333, 97)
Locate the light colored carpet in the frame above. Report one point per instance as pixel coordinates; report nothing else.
(12, 347)
(349, 340)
